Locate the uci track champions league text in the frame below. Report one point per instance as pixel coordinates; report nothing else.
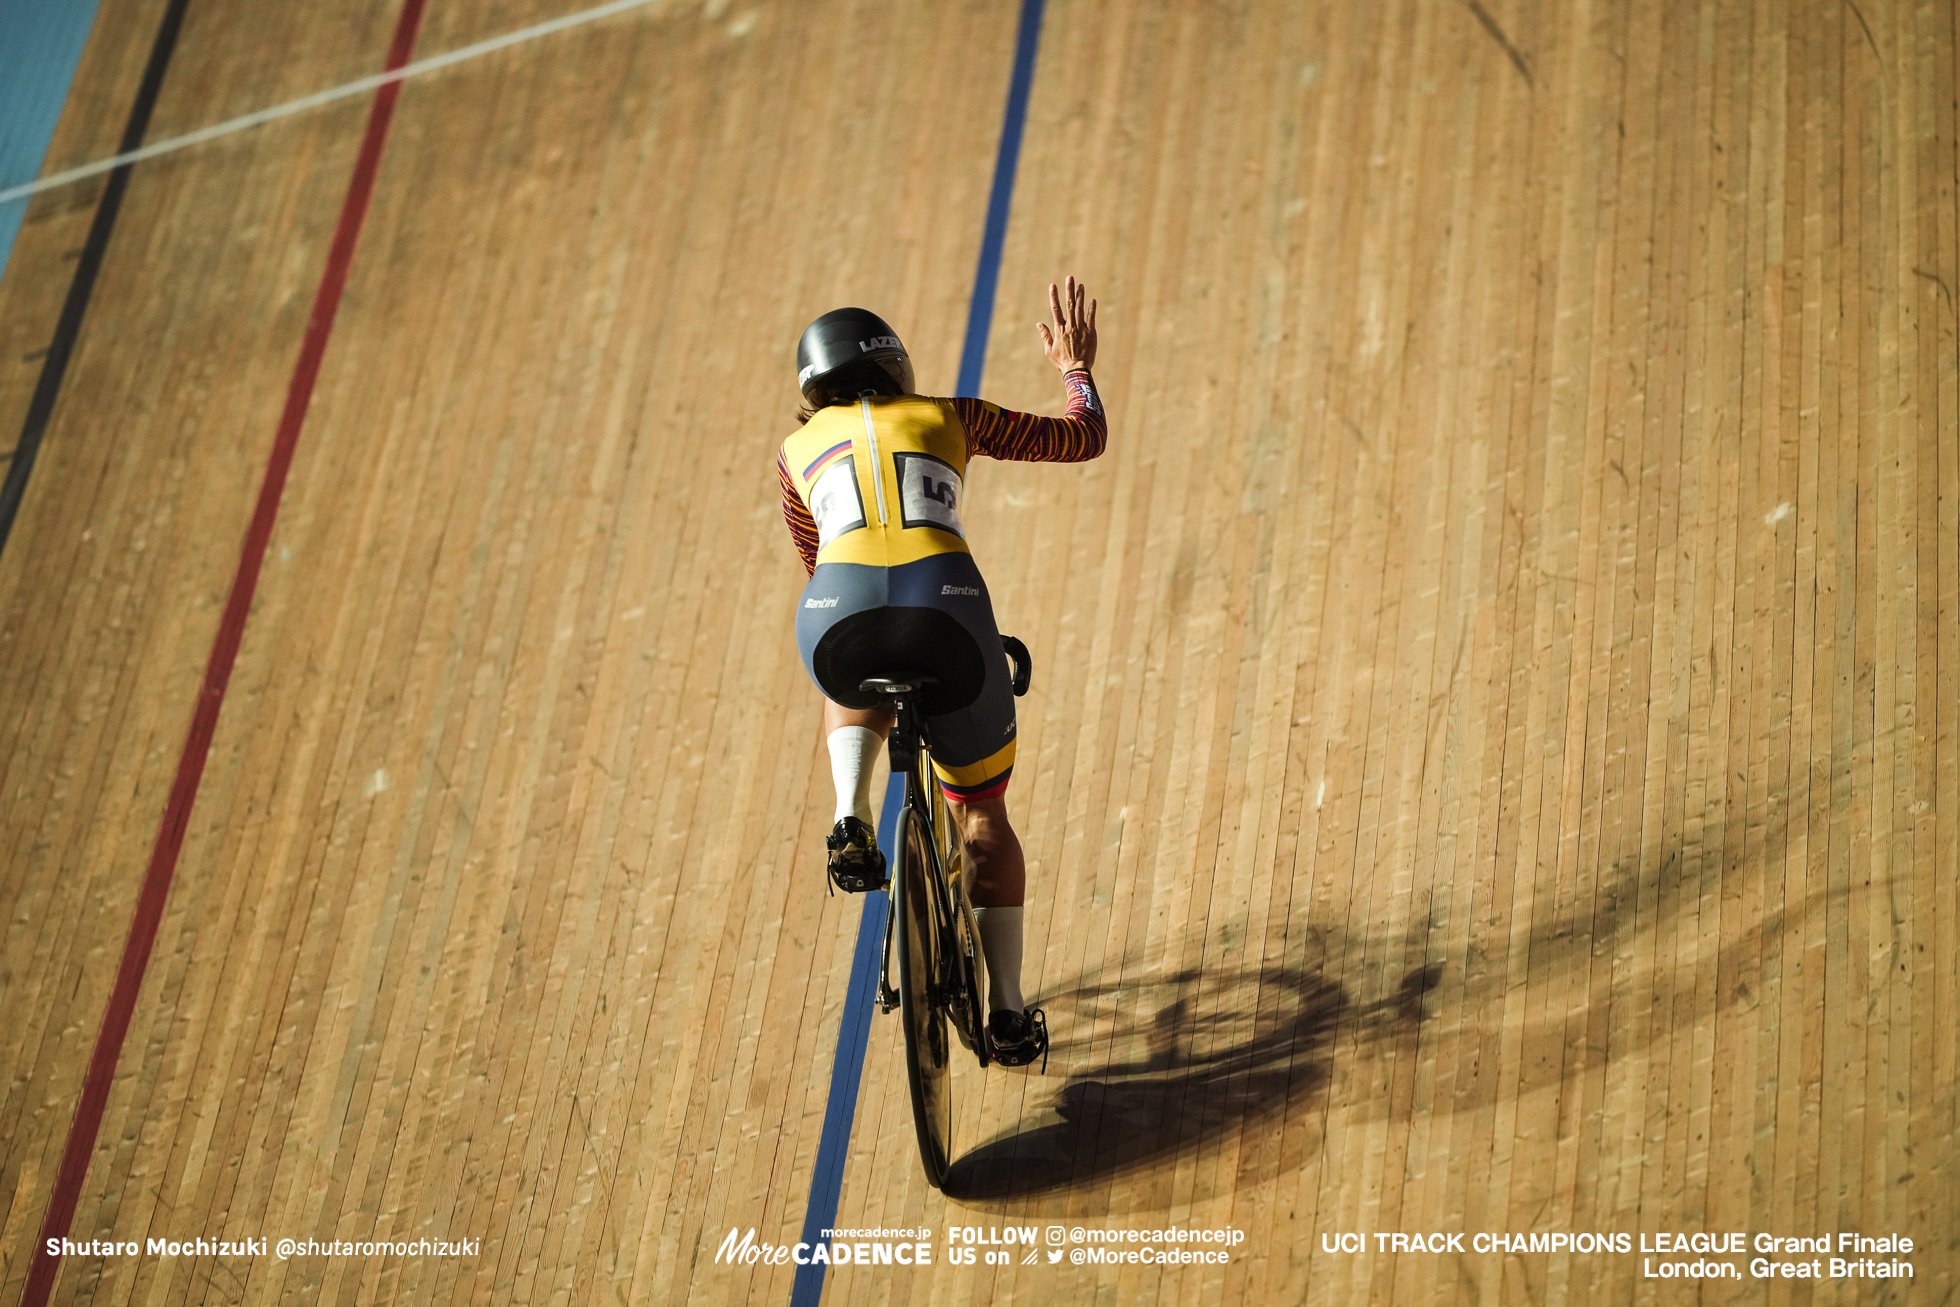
(1698, 1255)
(1662, 1255)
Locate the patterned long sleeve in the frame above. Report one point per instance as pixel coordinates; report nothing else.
(802, 527)
(1075, 437)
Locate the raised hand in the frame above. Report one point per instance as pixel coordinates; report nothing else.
(1071, 342)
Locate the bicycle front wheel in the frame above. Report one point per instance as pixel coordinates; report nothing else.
(928, 1052)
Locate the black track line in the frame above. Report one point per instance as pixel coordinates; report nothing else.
(55, 367)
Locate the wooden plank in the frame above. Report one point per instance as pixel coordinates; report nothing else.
(1490, 766)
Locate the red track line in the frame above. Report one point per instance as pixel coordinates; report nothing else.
(217, 675)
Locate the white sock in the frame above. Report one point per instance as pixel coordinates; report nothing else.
(1000, 940)
(852, 751)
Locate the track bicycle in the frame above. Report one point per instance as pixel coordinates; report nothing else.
(940, 965)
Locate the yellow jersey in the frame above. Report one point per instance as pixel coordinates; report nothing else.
(882, 478)
(880, 481)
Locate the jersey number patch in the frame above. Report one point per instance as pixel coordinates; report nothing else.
(835, 502)
(929, 493)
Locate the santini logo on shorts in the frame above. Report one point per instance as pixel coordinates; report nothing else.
(959, 589)
(820, 603)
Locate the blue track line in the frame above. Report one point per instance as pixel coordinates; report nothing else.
(847, 1072)
(854, 1031)
(980, 310)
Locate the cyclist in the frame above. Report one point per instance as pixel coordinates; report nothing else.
(871, 486)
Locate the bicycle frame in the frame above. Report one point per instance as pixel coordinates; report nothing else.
(938, 947)
(939, 954)
(911, 755)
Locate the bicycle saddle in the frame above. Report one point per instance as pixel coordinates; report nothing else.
(903, 683)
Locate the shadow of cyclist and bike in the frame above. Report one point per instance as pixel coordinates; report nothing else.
(1184, 1057)
(1180, 1058)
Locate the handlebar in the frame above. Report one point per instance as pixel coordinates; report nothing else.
(1022, 661)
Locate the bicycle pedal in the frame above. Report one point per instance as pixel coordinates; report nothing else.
(857, 865)
(1017, 1038)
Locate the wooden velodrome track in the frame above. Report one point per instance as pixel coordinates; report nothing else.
(1492, 761)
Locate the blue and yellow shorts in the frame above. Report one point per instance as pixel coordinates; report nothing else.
(932, 616)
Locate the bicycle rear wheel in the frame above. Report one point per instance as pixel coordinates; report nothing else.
(928, 1051)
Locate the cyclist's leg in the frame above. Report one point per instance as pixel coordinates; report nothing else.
(998, 889)
(1018, 1033)
(998, 884)
(993, 852)
(854, 736)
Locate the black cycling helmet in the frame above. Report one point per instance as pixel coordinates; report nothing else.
(848, 352)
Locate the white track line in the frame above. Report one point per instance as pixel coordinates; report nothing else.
(360, 87)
